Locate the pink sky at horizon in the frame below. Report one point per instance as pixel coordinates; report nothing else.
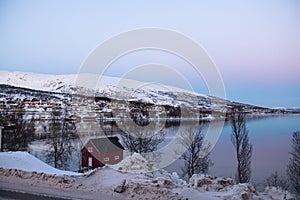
(255, 44)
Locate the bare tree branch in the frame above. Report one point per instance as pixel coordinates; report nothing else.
(243, 148)
(293, 168)
(196, 157)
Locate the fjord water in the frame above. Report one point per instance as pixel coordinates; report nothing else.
(271, 139)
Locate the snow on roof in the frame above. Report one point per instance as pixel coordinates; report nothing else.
(27, 162)
(107, 144)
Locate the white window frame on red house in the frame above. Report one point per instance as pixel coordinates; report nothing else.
(117, 157)
(90, 161)
(106, 159)
(90, 149)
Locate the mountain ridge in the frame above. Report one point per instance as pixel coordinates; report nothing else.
(66, 84)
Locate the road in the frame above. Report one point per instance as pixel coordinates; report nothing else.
(13, 188)
(9, 195)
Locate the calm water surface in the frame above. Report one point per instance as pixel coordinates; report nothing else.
(271, 140)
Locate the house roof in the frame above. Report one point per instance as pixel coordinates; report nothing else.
(107, 144)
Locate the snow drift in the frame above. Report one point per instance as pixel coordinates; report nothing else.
(133, 178)
(27, 162)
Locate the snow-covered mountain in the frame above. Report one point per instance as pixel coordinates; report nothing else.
(110, 87)
(67, 83)
(44, 82)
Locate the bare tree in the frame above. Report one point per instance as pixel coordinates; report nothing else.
(61, 133)
(3, 119)
(17, 130)
(293, 169)
(3, 123)
(196, 157)
(141, 140)
(243, 148)
(140, 134)
(277, 180)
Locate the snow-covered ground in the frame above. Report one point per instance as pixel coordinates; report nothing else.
(133, 178)
(133, 164)
(27, 162)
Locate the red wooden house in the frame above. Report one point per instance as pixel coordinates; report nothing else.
(100, 151)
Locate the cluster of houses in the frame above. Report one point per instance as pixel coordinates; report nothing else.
(33, 104)
(81, 109)
(96, 152)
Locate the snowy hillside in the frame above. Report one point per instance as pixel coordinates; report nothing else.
(108, 86)
(62, 83)
(46, 82)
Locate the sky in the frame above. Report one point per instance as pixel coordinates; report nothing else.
(254, 44)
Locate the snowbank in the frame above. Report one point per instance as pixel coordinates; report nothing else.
(224, 188)
(119, 181)
(133, 164)
(158, 183)
(27, 162)
(277, 193)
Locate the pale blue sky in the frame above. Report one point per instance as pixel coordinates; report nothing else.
(255, 44)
